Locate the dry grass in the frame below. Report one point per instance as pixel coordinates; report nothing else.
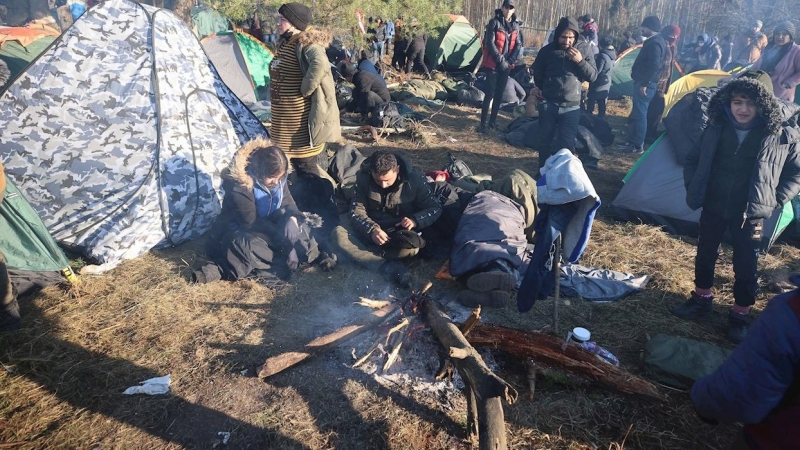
(63, 373)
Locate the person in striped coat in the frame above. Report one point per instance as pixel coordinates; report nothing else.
(305, 116)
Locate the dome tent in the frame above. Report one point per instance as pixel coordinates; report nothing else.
(458, 45)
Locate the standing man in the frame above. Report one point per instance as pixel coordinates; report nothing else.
(559, 70)
(745, 166)
(389, 35)
(502, 45)
(589, 31)
(305, 115)
(400, 44)
(415, 51)
(655, 110)
(380, 40)
(645, 74)
(749, 45)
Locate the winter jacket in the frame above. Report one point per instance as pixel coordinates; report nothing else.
(647, 66)
(589, 33)
(323, 116)
(710, 55)
(416, 44)
(604, 60)
(239, 208)
(512, 92)
(380, 33)
(365, 65)
(502, 42)
(389, 30)
(409, 197)
(775, 180)
(365, 83)
(558, 77)
(759, 384)
(787, 72)
(748, 47)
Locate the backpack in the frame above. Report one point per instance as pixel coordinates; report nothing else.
(387, 116)
(457, 168)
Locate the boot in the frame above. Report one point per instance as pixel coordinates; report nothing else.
(737, 326)
(488, 299)
(697, 307)
(492, 280)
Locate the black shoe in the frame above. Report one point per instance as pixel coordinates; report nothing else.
(327, 261)
(492, 280)
(697, 307)
(482, 129)
(396, 272)
(737, 326)
(489, 299)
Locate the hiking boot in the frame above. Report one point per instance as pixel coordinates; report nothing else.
(488, 299)
(697, 307)
(206, 274)
(327, 261)
(492, 280)
(737, 326)
(396, 272)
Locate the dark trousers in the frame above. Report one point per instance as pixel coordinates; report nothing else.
(495, 86)
(599, 98)
(654, 113)
(416, 59)
(315, 165)
(248, 254)
(399, 55)
(556, 131)
(745, 254)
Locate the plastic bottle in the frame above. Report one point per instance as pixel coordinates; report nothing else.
(581, 337)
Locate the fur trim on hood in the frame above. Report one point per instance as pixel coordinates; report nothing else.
(237, 168)
(314, 35)
(775, 113)
(566, 23)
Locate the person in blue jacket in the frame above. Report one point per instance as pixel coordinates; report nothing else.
(759, 385)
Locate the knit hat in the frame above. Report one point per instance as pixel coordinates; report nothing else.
(758, 24)
(297, 14)
(786, 26)
(652, 23)
(671, 33)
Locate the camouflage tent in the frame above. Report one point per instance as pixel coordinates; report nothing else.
(116, 134)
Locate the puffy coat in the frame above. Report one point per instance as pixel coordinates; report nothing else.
(650, 60)
(558, 77)
(409, 197)
(604, 60)
(502, 42)
(758, 384)
(787, 71)
(776, 177)
(366, 82)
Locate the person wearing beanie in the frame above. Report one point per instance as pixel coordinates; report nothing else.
(781, 60)
(645, 74)
(502, 46)
(559, 70)
(599, 89)
(745, 166)
(655, 110)
(589, 31)
(305, 115)
(748, 45)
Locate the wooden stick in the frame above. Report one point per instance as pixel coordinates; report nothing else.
(446, 367)
(283, 361)
(396, 350)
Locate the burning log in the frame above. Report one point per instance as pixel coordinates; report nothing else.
(547, 351)
(485, 390)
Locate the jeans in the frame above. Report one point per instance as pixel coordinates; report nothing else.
(378, 46)
(555, 122)
(637, 126)
(495, 86)
(745, 254)
(654, 113)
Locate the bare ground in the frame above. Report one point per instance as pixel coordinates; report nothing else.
(63, 373)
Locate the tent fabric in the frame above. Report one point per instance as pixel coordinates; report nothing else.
(621, 83)
(116, 135)
(688, 83)
(242, 61)
(32, 255)
(206, 21)
(25, 36)
(457, 46)
(19, 46)
(654, 192)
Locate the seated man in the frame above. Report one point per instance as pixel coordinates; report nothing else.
(370, 90)
(391, 204)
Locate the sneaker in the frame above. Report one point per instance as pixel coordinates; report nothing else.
(396, 272)
(630, 148)
(737, 326)
(489, 299)
(492, 280)
(697, 307)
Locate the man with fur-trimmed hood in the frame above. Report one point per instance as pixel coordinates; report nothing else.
(305, 115)
(559, 70)
(744, 167)
(260, 232)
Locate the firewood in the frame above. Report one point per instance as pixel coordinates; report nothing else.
(446, 366)
(546, 350)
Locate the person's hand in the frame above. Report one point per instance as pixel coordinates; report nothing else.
(379, 236)
(574, 54)
(511, 66)
(643, 91)
(406, 223)
(293, 261)
(292, 230)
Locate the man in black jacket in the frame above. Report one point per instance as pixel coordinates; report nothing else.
(502, 45)
(559, 70)
(415, 52)
(645, 74)
(370, 90)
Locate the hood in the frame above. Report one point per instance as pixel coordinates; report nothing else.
(611, 52)
(313, 35)
(566, 23)
(777, 114)
(402, 161)
(705, 38)
(237, 168)
(498, 14)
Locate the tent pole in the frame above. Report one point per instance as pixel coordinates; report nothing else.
(557, 274)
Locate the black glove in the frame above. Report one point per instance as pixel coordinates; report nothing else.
(503, 66)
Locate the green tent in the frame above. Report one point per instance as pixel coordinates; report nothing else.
(458, 45)
(18, 51)
(621, 83)
(242, 62)
(34, 259)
